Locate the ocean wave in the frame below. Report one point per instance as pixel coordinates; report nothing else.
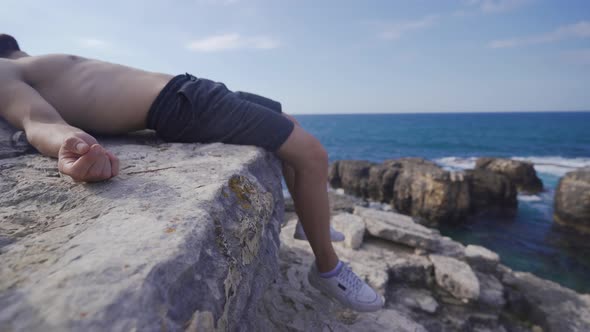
(557, 166)
(456, 163)
(529, 198)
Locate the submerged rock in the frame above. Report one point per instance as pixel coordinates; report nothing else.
(572, 200)
(522, 173)
(186, 236)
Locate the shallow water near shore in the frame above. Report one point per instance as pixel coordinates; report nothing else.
(555, 142)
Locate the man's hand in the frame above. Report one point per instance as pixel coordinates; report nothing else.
(82, 158)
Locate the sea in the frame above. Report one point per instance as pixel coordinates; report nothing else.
(555, 142)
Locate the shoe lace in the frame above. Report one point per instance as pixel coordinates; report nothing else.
(350, 279)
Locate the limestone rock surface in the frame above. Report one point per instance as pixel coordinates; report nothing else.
(352, 227)
(456, 277)
(522, 173)
(398, 228)
(553, 307)
(481, 258)
(491, 191)
(572, 200)
(187, 236)
(423, 189)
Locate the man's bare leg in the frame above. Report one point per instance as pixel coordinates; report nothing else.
(304, 154)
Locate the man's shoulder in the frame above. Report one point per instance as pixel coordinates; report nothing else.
(9, 70)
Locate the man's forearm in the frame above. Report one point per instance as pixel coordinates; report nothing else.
(47, 138)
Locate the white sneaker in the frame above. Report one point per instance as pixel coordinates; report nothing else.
(350, 290)
(335, 235)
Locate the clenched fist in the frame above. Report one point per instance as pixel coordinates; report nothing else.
(82, 158)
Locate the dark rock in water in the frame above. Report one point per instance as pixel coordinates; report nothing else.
(572, 200)
(490, 190)
(351, 175)
(381, 181)
(423, 189)
(522, 173)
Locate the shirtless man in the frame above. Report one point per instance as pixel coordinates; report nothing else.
(59, 99)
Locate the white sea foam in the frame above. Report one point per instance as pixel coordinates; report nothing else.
(529, 198)
(557, 166)
(456, 163)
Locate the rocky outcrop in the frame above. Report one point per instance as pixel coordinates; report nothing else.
(427, 279)
(572, 200)
(398, 228)
(424, 190)
(522, 173)
(456, 277)
(425, 288)
(551, 306)
(352, 227)
(491, 191)
(482, 258)
(185, 237)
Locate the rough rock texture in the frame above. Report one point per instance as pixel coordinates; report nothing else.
(572, 200)
(292, 304)
(186, 236)
(522, 173)
(398, 228)
(481, 258)
(352, 227)
(456, 277)
(424, 190)
(352, 176)
(549, 305)
(402, 229)
(490, 190)
(418, 295)
(12, 142)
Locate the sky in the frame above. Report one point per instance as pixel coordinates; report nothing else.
(346, 56)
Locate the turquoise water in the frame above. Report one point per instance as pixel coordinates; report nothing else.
(555, 142)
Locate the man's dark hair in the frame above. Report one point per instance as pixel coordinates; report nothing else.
(7, 45)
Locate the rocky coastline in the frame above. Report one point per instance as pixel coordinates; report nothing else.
(196, 238)
(430, 282)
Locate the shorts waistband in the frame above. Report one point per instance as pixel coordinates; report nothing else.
(166, 98)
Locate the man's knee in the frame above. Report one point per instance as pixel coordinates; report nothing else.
(303, 151)
(291, 118)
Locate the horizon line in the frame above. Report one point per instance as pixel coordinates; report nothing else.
(448, 112)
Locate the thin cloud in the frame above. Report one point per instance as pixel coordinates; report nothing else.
(93, 43)
(218, 2)
(232, 41)
(581, 56)
(571, 31)
(394, 31)
(497, 6)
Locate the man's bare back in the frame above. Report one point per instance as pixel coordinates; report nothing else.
(95, 96)
(59, 100)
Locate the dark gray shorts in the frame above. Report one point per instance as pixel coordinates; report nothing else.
(191, 109)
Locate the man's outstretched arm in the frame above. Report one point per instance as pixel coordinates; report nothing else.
(80, 156)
